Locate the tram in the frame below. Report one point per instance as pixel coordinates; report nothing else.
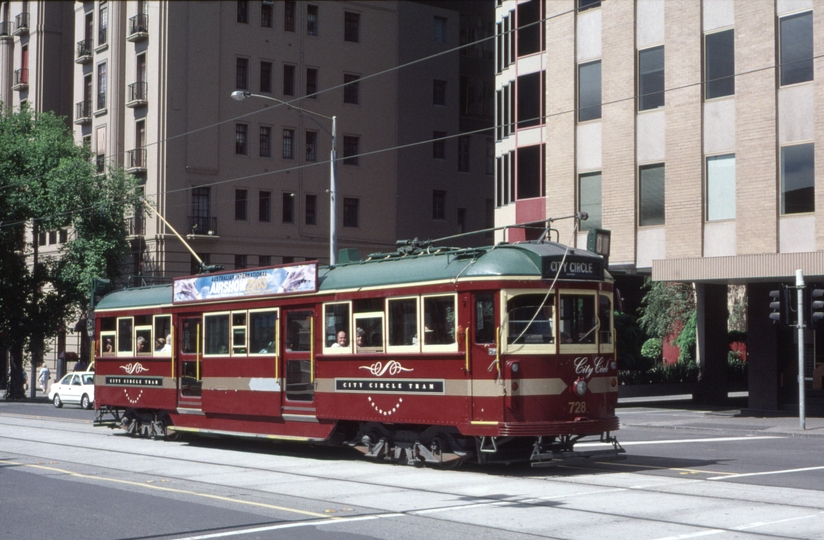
(424, 355)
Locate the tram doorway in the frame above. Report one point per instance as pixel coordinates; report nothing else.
(189, 376)
(484, 374)
(298, 362)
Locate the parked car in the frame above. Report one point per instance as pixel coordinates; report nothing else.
(76, 388)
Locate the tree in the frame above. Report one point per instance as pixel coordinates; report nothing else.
(669, 310)
(47, 182)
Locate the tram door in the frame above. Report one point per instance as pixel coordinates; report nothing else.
(298, 363)
(189, 376)
(487, 402)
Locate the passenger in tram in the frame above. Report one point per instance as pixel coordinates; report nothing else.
(141, 345)
(167, 345)
(359, 337)
(341, 340)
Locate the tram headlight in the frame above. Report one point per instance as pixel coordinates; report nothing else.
(515, 367)
(579, 387)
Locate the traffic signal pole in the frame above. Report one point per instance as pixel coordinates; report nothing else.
(799, 285)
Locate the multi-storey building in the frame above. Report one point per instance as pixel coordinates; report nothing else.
(246, 183)
(687, 129)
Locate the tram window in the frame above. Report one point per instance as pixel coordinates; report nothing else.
(108, 325)
(216, 334)
(367, 305)
(124, 335)
(299, 331)
(189, 336)
(299, 381)
(262, 331)
(439, 320)
(578, 322)
(336, 327)
(143, 339)
(403, 321)
(107, 341)
(485, 318)
(163, 335)
(142, 320)
(530, 319)
(605, 316)
(239, 333)
(369, 332)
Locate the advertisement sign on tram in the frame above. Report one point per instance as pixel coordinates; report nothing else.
(247, 283)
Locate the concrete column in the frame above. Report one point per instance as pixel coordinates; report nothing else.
(762, 349)
(711, 342)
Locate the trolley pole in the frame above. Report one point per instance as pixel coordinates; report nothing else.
(799, 285)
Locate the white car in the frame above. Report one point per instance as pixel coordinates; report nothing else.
(76, 388)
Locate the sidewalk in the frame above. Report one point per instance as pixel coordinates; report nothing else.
(680, 413)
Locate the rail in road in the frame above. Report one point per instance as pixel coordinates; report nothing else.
(655, 493)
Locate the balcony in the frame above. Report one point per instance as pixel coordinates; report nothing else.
(83, 112)
(202, 227)
(138, 27)
(5, 30)
(136, 226)
(21, 24)
(136, 160)
(138, 94)
(21, 79)
(84, 51)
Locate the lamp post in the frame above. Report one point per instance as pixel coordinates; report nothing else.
(240, 95)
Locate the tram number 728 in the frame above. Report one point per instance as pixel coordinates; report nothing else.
(577, 407)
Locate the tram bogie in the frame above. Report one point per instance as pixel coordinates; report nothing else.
(423, 356)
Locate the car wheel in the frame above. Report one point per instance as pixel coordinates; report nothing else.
(57, 402)
(85, 403)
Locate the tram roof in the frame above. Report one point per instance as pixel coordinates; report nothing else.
(525, 259)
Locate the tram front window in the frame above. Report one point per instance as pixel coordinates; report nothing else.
(530, 320)
(578, 321)
(605, 316)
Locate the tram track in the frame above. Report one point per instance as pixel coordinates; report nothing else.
(436, 513)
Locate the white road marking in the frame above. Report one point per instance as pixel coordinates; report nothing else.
(765, 473)
(739, 528)
(682, 441)
(312, 523)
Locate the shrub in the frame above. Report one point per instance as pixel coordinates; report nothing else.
(652, 349)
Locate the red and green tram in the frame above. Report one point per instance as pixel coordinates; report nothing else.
(422, 355)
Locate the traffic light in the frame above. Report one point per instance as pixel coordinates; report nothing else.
(780, 306)
(816, 302)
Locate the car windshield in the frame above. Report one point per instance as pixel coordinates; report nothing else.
(67, 379)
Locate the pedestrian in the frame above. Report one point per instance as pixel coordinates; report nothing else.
(81, 365)
(44, 377)
(25, 381)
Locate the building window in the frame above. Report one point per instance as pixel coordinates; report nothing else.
(719, 64)
(651, 193)
(265, 141)
(721, 187)
(288, 143)
(265, 206)
(438, 92)
(288, 207)
(201, 221)
(438, 204)
(288, 80)
(439, 144)
(351, 150)
(439, 28)
(266, 77)
(798, 179)
(311, 83)
(264, 260)
(240, 204)
(350, 212)
(589, 199)
(796, 44)
(350, 90)
(101, 86)
(240, 262)
(240, 139)
(311, 20)
(586, 4)
(242, 74)
(490, 156)
(351, 27)
(242, 12)
(266, 11)
(589, 91)
(463, 153)
(462, 220)
(529, 91)
(63, 236)
(289, 16)
(311, 145)
(651, 78)
(311, 209)
(102, 34)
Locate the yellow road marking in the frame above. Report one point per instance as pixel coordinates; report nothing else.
(173, 490)
(684, 471)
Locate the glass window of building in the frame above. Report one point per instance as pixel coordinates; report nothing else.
(241, 196)
(438, 204)
(439, 145)
(719, 64)
(651, 78)
(796, 48)
(798, 179)
(651, 195)
(589, 186)
(589, 91)
(288, 207)
(351, 149)
(350, 212)
(240, 138)
(312, 20)
(351, 89)
(351, 27)
(721, 187)
(265, 206)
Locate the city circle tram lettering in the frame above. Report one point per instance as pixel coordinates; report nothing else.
(406, 386)
(134, 381)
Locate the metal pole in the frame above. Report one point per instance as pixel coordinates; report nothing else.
(333, 218)
(799, 284)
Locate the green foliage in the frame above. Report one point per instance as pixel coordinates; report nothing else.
(652, 349)
(48, 182)
(686, 340)
(667, 307)
(629, 340)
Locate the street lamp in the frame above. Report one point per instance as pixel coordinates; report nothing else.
(240, 95)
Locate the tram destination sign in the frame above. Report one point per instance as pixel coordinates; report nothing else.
(280, 280)
(134, 381)
(397, 386)
(573, 267)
